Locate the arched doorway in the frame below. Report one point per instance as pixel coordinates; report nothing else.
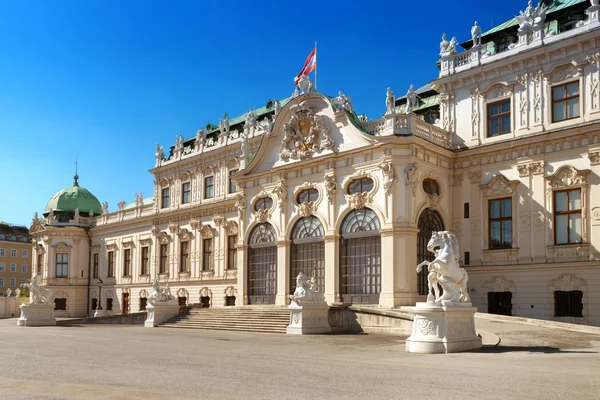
(360, 251)
(429, 221)
(262, 265)
(308, 252)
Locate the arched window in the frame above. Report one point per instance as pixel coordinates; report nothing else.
(308, 195)
(308, 252)
(262, 265)
(264, 203)
(431, 187)
(360, 249)
(360, 185)
(429, 221)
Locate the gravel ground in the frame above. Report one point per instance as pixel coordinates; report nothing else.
(131, 362)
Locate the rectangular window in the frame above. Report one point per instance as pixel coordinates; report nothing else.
(567, 216)
(110, 273)
(466, 210)
(568, 304)
(186, 193)
(184, 257)
(40, 263)
(24, 268)
(500, 223)
(164, 255)
(127, 262)
(13, 267)
(467, 257)
(232, 186)
(62, 265)
(207, 255)
(166, 194)
(565, 101)
(95, 265)
(94, 304)
(60, 304)
(232, 252)
(2, 252)
(499, 118)
(13, 253)
(209, 186)
(145, 252)
(23, 281)
(1, 281)
(109, 302)
(13, 282)
(143, 303)
(24, 254)
(2, 267)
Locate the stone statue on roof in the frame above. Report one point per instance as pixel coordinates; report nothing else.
(390, 102)
(224, 124)
(200, 136)
(444, 45)
(532, 16)
(160, 155)
(452, 45)
(411, 100)
(250, 118)
(76, 213)
(343, 102)
(305, 84)
(105, 207)
(476, 34)
(277, 107)
(139, 199)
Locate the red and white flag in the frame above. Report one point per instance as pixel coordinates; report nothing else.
(309, 65)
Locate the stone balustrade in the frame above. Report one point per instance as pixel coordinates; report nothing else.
(408, 125)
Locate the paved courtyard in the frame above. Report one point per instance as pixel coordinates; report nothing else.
(131, 362)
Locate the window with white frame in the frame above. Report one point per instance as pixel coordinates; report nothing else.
(24, 254)
(23, 281)
(2, 267)
(13, 267)
(1, 281)
(498, 118)
(13, 282)
(2, 252)
(24, 268)
(565, 101)
(62, 265)
(13, 253)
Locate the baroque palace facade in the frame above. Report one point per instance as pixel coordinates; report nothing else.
(503, 149)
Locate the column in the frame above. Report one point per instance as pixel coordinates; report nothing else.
(332, 268)
(283, 272)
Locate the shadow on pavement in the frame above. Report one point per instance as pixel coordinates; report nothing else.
(529, 349)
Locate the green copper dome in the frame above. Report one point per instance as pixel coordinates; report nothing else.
(74, 197)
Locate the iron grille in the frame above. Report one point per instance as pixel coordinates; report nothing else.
(308, 252)
(429, 221)
(568, 304)
(262, 265)
(500, 303)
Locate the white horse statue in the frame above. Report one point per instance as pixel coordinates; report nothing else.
(38, 294)
(445, 270)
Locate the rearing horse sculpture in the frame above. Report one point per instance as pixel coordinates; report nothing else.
(445, 270)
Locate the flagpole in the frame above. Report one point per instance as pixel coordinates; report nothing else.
(316, 66)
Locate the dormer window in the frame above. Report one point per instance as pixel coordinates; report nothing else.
(504, 46)
(264, 203)
(360, 185)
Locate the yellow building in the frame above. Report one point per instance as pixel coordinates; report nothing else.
(15, 257)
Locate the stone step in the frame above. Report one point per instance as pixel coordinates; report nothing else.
(227, 328)
(258, 325)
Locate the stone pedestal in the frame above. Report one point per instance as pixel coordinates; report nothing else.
(34, 314)
(443, 329)
(309, 318)
(159, 312)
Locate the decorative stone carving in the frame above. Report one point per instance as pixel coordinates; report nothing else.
(411, 178)
(342, 102)
(390, 102)
(207, 231)
(280, 191)
(475, 94)
(389, 175)
(498, 91)
(476, 34)
(231, 228)
(499, 284)
(139, 199)
(532, 16)
(567, 176)
(563, 73)
(305, 84)
(594, 157)
(330, 187)
(567, 283)
(411, 100)
(305, 134)
(37, 293)
(358, 200)
(475, 177)
(240, 204)
(160, 155)
(230, 291)
(161, 305)
(163, 238)
(433, 200)
(261, 216)
(455, 179)
(447, 48)
(308, 309)
(184, 235)
(596, 213)
(445, 271)
(307, 208)
(121, 205)
(499, 186)
(104, 207)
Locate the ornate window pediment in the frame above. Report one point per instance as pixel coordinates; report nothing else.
(563, 73)
(231, 228)
(207, 231)
(359, 189)
(184, 235)
(497, 91)
(567, 176)
(163, 238)
(567, 282)
(499, 186)
(499, 284)
(62, 248)
(305, 134)
(127, 242)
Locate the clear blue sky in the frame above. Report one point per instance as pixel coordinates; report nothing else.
(104, 81)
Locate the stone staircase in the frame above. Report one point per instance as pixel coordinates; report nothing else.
(271, 319)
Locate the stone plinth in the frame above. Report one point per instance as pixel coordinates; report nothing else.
(443, 329)
(309, 318)
(159, 312)
(34, 314)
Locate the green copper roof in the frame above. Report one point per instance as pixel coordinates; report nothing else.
(557, 5)
(74, 197)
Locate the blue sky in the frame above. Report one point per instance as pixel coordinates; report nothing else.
(104, 81)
